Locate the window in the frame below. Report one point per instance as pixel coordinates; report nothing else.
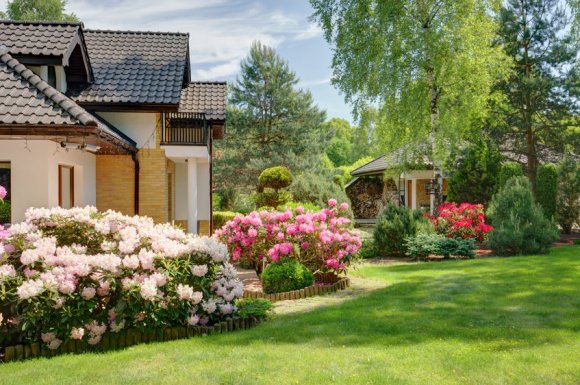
(5, 181)
(51, 76)
(66, 187)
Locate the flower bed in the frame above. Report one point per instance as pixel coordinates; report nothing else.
(322, 241)
(465, 221)
(76, 275)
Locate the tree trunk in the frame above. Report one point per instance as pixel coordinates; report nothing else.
(532, 156)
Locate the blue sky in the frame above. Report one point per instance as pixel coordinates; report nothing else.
(221, 32)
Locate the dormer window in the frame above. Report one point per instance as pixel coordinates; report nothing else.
(51, 76)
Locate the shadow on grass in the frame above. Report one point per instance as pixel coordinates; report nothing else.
(501, 304)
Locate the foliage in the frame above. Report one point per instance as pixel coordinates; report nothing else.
(411, 59)
(275, 178)
(322, 241)
(423, 245)
(509, 170)
(541, 95)
(317, 188)
(464, 221)
(547, 189)
(5, 211)
(48, 10)
(368, 249)
(254, 307)
(294, 205)
(568, 208)
(394, 224)
(285, 275)
(75, 274)
(271, 122)
(221, 217)
(345, 171)
(271, 199)
(475, 176)
(519, 223)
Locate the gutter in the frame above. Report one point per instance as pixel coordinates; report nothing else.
(136, 186)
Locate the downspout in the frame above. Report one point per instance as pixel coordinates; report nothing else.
(136, 187)
(210, 142)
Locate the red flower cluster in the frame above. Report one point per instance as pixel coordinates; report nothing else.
(465, 220)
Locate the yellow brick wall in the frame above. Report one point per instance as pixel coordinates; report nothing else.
(153, 184)
(115, 183)
(203, 227)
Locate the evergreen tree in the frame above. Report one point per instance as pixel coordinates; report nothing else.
(48, 10)
(542, 93)
(270, 122)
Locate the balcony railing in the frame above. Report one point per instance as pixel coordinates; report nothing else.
(184, 129)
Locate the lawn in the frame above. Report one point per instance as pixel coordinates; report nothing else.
(488, 321)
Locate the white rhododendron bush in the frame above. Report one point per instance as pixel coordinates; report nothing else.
(78, 273)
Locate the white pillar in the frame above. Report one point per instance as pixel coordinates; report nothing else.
(414, 194)
(192, 195)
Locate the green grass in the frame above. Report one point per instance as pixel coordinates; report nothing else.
(488, 321)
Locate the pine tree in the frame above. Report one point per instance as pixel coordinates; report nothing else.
(271, 122)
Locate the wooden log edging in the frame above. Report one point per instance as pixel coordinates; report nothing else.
(309, 291)
(128, 337)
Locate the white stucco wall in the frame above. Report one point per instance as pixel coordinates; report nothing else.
(139, 126)
(34, 174)
(203, 195)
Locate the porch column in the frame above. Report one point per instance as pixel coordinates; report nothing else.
(192, 195)
(414, 194)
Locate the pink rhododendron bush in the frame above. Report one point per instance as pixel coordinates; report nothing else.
(465, 220)
(78, 273)
(322, 241)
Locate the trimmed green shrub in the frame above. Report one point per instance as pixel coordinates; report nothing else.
(5, 212)
(423, 245)
(509, 170)
(547, 189)
(286, 275)
(520, 224)
(271, 199)
(293, 205)
(275, 178)
(394, 224)
(221, 217)
(475, 178)
(568, 197)
(256, 307)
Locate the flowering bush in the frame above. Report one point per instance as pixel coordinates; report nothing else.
(75, 274)
(465, 220)
(322, 241)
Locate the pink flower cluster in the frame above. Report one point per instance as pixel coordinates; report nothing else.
(113, 270)
(321, 240)
(465, 220)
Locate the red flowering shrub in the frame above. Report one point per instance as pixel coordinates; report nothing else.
(465, 220)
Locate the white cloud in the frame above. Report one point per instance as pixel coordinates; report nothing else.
(315, 82)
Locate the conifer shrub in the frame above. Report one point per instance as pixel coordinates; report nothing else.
(547, 189)
(520, 226)
(509, 170)
(394, 225)
(568, 197)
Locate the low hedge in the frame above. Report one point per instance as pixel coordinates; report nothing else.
(286, 275)
(220, 218)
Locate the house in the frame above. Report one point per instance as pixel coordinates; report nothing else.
(106, 118)
(385, 180)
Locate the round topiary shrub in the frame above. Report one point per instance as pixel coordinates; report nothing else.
(520, 224)
(286, 275)
(394, 225)
(275, 178)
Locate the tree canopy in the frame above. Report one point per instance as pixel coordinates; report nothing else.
(48, 10)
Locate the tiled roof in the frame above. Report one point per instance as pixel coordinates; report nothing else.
(38, 37)
(25, 99)
(205, 97)
(377, 165)
(135, 67)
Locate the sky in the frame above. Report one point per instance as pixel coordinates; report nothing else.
(221, 33)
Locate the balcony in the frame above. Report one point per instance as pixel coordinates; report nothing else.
(184, 129)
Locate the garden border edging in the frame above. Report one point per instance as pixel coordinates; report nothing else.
(309, 291)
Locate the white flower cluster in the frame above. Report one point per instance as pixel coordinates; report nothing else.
(130, 256)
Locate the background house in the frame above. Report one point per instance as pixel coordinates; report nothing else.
(381, 181)
(106, 118)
